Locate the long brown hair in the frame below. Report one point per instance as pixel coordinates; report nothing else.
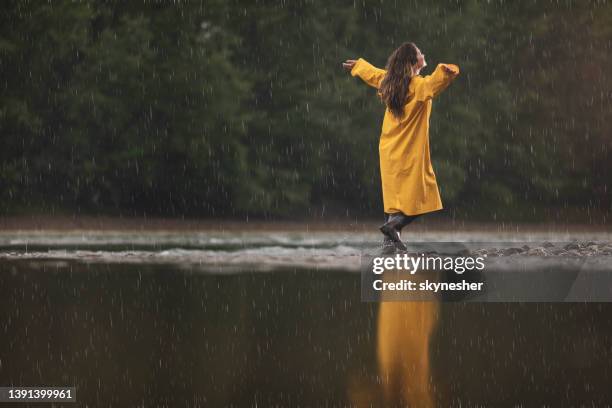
(393, 89)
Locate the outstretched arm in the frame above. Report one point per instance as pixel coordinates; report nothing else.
(367, 72)
(441, 78)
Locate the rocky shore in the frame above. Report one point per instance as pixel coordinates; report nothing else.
(546, 249)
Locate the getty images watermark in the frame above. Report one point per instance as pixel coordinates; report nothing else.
(486, 272)
(397, 272)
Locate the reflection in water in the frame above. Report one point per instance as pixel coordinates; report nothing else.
(404, 335)
(159, 335)
(167, 335)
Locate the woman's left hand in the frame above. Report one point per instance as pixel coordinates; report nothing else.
(349, 64)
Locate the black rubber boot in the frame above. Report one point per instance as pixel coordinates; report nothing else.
(387, 246)
(391, 229)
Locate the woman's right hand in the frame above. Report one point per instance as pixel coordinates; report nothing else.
(349, 64)
(450, 69)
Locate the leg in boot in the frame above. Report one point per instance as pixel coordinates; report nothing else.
(406, 219)
(388, 247)
(391, 229)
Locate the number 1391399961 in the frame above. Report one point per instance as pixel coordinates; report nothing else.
(37, 394)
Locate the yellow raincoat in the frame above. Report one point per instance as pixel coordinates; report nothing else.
(408, 180)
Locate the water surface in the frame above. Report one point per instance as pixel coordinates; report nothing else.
(175, 334)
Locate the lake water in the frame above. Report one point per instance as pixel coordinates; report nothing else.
(133, 319)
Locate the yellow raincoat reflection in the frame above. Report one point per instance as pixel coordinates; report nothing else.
(404, 333)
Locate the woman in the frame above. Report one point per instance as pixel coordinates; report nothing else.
(408, 181)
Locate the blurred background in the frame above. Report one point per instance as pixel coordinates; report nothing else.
(242, 109)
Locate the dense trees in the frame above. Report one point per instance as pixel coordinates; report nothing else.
(234, 108)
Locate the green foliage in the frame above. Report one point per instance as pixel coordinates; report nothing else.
(241, 107)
